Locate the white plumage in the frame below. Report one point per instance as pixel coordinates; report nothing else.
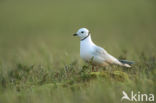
(90, 51)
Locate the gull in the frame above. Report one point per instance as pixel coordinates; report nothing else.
(98, 56)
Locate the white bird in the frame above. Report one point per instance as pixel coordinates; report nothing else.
(91, 52)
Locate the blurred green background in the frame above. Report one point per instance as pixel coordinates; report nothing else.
(37, 32)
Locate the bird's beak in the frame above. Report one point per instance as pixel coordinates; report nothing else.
(74, 34)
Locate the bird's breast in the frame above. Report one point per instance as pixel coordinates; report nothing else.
(86, 52)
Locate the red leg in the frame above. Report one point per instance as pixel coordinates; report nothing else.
(96, 69)
(92, 68)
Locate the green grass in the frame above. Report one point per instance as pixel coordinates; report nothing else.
(39, 57)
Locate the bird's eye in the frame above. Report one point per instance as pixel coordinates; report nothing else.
(82, 31)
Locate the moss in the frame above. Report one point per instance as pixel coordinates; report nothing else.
(119, 76)
(100, 74)
(116, 75)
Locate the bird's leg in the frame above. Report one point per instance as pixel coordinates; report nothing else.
(92, 68)
(96, 69)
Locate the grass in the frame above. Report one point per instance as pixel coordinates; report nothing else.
(39, 58)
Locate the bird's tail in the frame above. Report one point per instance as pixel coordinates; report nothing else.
(126, 63)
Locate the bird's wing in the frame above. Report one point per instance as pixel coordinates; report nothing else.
(101, 53)
(98, 51)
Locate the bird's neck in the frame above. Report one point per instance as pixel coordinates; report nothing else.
(87, 41)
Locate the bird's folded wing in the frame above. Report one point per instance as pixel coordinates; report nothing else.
(100, 50)
(101, 53)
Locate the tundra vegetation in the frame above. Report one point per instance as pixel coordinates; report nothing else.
(39, 57)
